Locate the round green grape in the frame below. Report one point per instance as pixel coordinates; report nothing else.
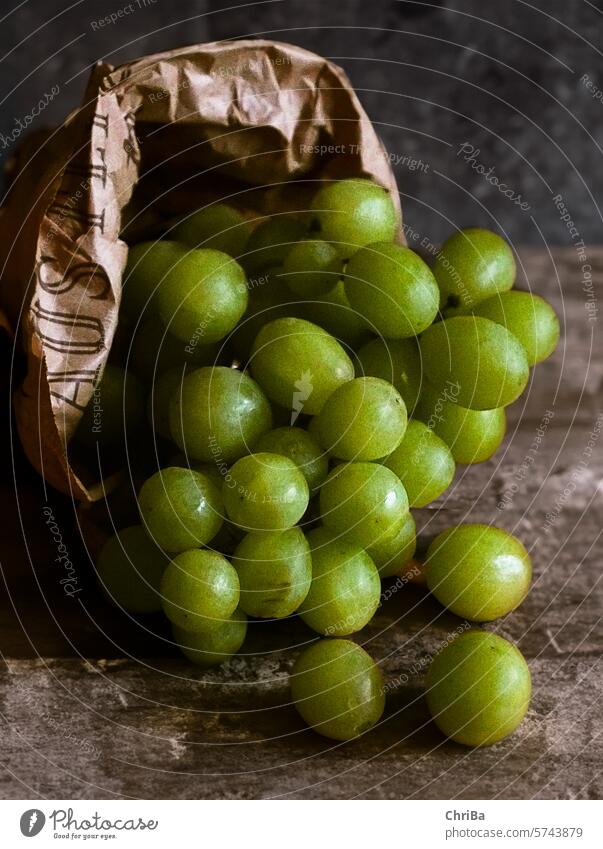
(472, 265)
(218, 415)
(115, 409)
(158, 403)
(298, 445)
(147, 266)
(393, 551)
(265, 492)
(337, 689)
(478, 688)
(363, 502)
(334, 313)
(528, 317)
(271, 241)
(298, 364)
(275, 572)
(203, 296)
(393, 288)
(364, 419)
(210, 648)
(345, 589)
(200, 590)
(487, 364)
(423, 463)
(312, 268)
(220, 227)
(353, 213)
(180, 509)
(478, 571)
(472, 435)
(395, 360)
(129, 569)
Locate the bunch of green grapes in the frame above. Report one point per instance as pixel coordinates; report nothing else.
(319, 379)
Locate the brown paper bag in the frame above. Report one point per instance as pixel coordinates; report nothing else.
(255, 122)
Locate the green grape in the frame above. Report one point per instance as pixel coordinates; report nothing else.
(393, 551)
(364, 419)
(478, 571)
(334, 313)
(275, 572)
(147, 266)
(337, 689)
(129, 569)
(218, 415)
(209, 648)
(268, 299)
(203, 297)
(528, 317)
(353, 213)
(180, 509)
(393, 288)
(115, 409)
(220, 227)
(485, 362)
(158, 402)
(154, 350)
(312, 268)
(200, 590)
(271, 241)
(265, 492)
(363, 502)
(395, 360)
(478, 688)
(345, 589)
(298, 445)
(472, 435)
(423, 463)
(298, 364)
(472, 265)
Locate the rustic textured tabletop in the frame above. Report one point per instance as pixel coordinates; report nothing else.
(96, 706)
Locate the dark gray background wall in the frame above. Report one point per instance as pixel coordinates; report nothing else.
(519, 82)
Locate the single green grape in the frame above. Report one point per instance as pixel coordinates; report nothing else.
(298, 445)
(129, 569)
(472, 265)
(154, 350)
(158, 403)
(486, 363)
(424, 464)
(200, 590)
(395, 360)
(147, 266)
(115, 409)
(220, 227)
(528, 317)
(393, 551)
(298, 364)
(218, 415)
(478, 571)
(337, 689)
(275, 572)
(353, 213)
(180, 508)
(265, 492)
(334, 313)
(210, 648)
(203, 296)
(478, 688)
(345, 589)
(269, 298)
(363, 502)
(271, 241)
(393, 288)
(312, 267)
(472, 435)
(364, 419)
